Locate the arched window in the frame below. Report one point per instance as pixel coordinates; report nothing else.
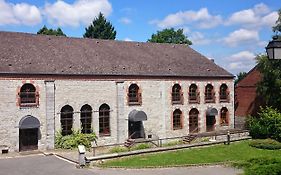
(193, 94)
(224, 118)
(86, 119)
(209, 94)
(134, 95)
(104, 120)
(177, 95)
(193, 120)
(177, 119)
(224, 94)
(28, 95)
(66, 120)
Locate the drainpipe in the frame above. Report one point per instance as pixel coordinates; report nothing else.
(118, 83)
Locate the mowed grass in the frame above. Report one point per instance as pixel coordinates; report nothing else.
(235, 152)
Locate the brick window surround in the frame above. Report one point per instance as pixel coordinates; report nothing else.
(104, 120)
(28, 96)
(134, 95)
(86, 119)
(224, 93)
(177, 95)
(193, 94)
(224, 117)
(209, 94)
(193, 121)
(177, 119)
(66, 120)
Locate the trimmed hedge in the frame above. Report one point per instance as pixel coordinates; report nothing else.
(266, 144)
(263, 166)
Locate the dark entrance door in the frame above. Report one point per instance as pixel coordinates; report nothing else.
(210, 123)
(28, 139)
(136, 130)
(193, 124)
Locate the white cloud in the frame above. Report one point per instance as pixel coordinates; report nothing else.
(198, 38)
(125, 20)
(258, 16)
(242, 56)
(128, 39)
(242, 36)
(80, 12)
(202, 18)
(21, 13)
(241, 62)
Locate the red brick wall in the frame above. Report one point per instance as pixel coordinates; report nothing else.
(246, 100)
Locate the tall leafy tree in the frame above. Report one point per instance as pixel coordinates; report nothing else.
(45, 31)
(170, 36)
(100, 29)
(277, 27)
(270, 85)
(240, 76)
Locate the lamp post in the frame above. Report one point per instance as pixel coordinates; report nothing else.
(273, 49)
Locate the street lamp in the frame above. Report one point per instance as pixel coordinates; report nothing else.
(273, 49)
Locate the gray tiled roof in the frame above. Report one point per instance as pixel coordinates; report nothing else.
(22, 53)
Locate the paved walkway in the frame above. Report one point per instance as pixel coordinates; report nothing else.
(210, 170)
(51, 165)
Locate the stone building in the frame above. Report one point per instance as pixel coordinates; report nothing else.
(116, 89)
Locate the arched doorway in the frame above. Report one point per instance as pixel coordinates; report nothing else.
(211, 119)
(193, 120)
(136, 129)
(28, 133)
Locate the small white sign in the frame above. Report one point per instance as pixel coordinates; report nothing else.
(81, 149)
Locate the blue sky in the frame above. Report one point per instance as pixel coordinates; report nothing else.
(231, 32)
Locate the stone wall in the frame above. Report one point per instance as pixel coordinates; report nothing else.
(156, 103)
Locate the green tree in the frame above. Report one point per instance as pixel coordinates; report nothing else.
(270, 85)
(45, 31)
(239, 77)
(277, 27)
(170, 36)
(100, 29)
(266, 125)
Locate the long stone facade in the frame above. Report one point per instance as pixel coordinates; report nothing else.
(156, 103)
(117, 89)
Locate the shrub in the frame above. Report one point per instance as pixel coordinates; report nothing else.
(173, 143)
(118, 149)
(266, 144)
(73, 140)
(263, 166)
(266, 125)
(141, 146)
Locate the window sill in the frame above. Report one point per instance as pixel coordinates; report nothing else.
(104, 135)
(209, 101)
(177, 129)
(224, 101)
(177, 103)
(224, 124)
(134, 103)
(193, 102)
(29, 105)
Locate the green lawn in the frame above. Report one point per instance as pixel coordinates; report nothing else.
(235, 152)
